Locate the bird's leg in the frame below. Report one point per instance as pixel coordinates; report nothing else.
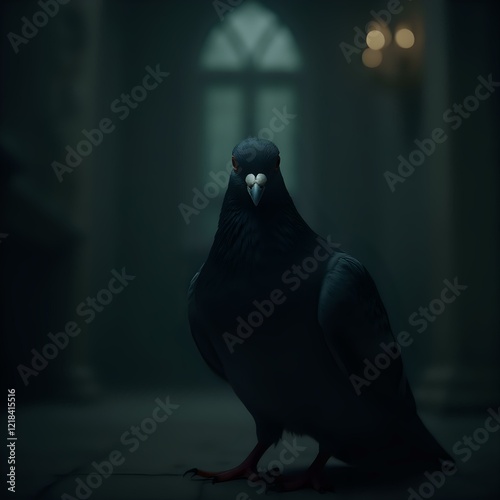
(311, 478)
(246, 469)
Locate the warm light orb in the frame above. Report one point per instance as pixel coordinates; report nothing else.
(371, 58)
(404, 38)
(375, 39)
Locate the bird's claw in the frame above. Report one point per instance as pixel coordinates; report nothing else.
(275, 471)
(219, 477)
(193, 473)
(196, 473)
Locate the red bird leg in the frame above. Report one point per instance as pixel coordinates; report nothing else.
(311, 478)
(246, 469)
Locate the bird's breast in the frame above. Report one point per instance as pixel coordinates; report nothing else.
(268, 299)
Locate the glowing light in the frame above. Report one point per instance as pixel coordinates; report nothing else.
(404, 38)
(375, 39)
(371, 58)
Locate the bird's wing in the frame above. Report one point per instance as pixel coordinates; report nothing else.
(356, 328)
(200, 326)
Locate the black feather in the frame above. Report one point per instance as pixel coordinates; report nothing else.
(293, 371)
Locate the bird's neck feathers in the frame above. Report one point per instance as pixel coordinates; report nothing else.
(250, 236)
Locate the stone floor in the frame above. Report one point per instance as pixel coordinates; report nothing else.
(58, 443)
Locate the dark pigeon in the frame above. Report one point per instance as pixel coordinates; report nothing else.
(316, 316)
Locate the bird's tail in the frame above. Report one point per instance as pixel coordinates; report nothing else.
(412, 444)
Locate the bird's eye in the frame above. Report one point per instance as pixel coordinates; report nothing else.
(278, 161)
(235, 164)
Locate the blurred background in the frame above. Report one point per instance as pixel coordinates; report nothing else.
(341, 106)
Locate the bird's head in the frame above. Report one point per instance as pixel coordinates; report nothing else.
(256, 171)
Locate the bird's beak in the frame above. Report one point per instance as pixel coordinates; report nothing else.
(256, 193)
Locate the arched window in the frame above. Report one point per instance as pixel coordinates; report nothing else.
(252, 38)
(250, 67)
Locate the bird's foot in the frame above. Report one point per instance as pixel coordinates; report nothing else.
(303, 480)
(246, 470)
(227, 475)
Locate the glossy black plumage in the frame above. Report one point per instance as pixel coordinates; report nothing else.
(293, 371)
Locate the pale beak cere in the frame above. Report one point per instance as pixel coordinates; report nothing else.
(255, 186)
